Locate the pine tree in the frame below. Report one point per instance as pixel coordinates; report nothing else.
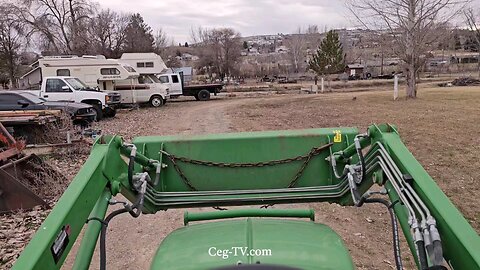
(138, 35)
(329, 57)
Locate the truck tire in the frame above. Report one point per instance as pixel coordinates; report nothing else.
(156, 101)
(203, 95)
(110, 112)
(98, 110)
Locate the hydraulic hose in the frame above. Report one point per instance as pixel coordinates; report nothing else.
(422, 256)
(103, 233)
(131, 163)
(103, 236)
(396, 238)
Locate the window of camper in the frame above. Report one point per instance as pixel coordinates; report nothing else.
(164, 79)
(129, 68)
(140, 64)
(63, 72)
(109, 71)
(149, 64)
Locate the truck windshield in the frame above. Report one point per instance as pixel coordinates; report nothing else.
(76, 83)
(154, 79)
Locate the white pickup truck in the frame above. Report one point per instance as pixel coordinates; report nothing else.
(177, 87)
(72, 89)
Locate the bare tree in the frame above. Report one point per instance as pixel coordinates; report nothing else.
(296, 44)
(472, 18)
(312, 29)
(60, 24)
(219, 50)
(161, 42)
(412, 23)
(12, 40)
(107, 32)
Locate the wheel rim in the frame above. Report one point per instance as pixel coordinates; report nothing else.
(156, 102)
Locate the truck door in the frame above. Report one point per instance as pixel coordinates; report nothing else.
(57, 90)
(145, 89)
(176, 84)
(174, 88)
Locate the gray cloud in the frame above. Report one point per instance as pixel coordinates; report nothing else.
(249, 17)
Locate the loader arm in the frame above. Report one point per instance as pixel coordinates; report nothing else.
(336, 165)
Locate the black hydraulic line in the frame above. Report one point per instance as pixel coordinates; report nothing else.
(396, 238)
(422, 256)
(103, 235)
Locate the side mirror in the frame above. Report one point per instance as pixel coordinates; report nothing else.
(23, 103)
(65, 88)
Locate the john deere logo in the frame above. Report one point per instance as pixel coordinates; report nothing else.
(338, 136)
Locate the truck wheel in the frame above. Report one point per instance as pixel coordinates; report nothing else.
(203, 95)
(98, 111)
(110, 112)
(156, 101)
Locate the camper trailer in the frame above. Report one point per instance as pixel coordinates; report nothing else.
(95, 71)
(98, 72)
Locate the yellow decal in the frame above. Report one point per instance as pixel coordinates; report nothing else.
(338, 136)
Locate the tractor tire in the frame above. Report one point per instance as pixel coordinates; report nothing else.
(203, 95)
(156, 101)
(98, 110)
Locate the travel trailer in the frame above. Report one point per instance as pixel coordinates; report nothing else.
(101, 73)
(149, 64)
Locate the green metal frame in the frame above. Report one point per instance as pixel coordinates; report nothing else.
(105, 175)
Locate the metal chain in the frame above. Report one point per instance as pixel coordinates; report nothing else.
(315, 151)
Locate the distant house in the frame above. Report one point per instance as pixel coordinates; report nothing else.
(354, 70)
(253, 51)
(189, 57)
(281, 49)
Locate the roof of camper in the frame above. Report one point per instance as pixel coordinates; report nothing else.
(135, 58)
(139, 56)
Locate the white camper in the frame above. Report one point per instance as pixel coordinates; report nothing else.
(96, 71)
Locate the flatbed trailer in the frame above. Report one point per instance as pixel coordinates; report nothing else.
(202, 92)
(178, 87)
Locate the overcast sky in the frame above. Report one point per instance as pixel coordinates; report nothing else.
(249, 17)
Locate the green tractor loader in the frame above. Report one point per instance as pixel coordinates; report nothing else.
(250, 172)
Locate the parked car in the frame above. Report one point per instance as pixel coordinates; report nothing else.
(81, 113)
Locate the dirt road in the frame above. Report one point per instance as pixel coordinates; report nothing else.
(131, 243)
